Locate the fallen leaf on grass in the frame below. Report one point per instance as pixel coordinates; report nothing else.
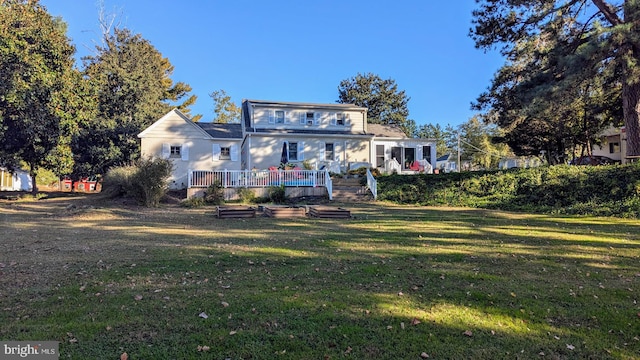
(424, 355)
(124, 356)
(232, 332)
(138, 297)
(468, 333)
(570, 347)
(415, 322)
(348, 351)
(203, 348)
(203, 315)
(225, 304)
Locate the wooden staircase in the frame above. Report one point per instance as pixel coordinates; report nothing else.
(350, 190)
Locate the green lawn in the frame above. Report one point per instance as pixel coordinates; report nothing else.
(392, 283)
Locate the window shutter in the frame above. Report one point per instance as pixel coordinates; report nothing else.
(334, 119)
(303, 118)
(419, 152)
(317, 117)
(286, 117)
(216, 152)
(184, 152)
(301, 151)
(272, 116)
(321, 153)
(166, 150)
(234, 152)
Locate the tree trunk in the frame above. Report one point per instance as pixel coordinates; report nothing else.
(631, 110)
(34, 175)
(630, 53)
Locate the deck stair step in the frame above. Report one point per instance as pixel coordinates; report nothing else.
(350, 190)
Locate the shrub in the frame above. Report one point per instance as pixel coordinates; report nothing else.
(277, 194)
(146, 180)
(214, 194)
(589, 190)
(118, 181)
(150, 182)
(246, 195)
(193, 202)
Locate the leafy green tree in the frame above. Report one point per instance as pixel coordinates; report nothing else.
(226, 111)
(131, 83)
(39, 89)
(477, 146)
(385, 103)
(442, 136)
(555, 50)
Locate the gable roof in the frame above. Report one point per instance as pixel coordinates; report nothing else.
(172, 113)
(222, 131)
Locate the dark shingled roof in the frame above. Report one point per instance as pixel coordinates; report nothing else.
(222, 131)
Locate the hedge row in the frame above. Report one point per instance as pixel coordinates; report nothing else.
(589, 190)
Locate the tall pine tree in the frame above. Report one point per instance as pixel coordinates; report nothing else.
(564, 57)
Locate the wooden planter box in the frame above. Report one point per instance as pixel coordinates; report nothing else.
(284, 211)
(329, 212)
(225, 212)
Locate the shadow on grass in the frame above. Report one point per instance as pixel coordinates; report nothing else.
(392, 283)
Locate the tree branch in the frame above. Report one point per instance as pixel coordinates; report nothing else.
(609, 12)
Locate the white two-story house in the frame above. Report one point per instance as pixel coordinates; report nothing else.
(335, 137)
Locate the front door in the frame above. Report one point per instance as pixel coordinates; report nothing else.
(409, 157)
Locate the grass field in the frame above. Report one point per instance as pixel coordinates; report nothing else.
(106, 278)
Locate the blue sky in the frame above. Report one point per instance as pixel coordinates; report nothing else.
(300, 50)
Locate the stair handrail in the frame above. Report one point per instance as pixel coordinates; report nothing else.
(372, 184)
(328, 183)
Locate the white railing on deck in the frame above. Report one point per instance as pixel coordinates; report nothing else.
(392, 165)
(372, 184)
(259, 178)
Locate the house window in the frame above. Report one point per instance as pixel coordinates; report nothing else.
(225, 153)
(279, 114)
(614, 147)
(426, 153)
(340, 119)
(175, 151)
(328, 152)
(310, 118)
(293, 151)
(380, 156)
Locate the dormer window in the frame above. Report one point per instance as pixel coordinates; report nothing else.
(279, 117)
(340, 119)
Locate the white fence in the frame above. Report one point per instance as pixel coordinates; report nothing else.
(259, 178)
